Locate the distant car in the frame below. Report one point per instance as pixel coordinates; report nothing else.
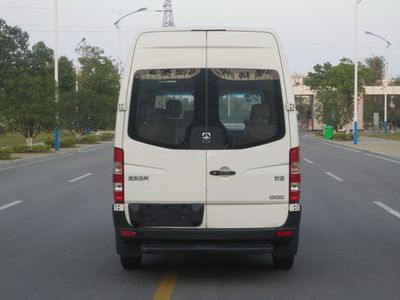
(206, 147)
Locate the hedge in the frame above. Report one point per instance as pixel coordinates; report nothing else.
(26, 149)
(342, 136)
(68, 142)
(88, 139)
(106, 136)
(5, 153)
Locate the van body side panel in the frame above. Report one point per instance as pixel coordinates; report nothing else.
(123, 100)
(289, 95)
(257, 195)
(156, 174)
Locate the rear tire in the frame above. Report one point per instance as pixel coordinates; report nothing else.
(283, 263)
(131, 263)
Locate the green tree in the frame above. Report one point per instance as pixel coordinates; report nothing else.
(333, 108)
(13, 48)
(93, 106)
(303, 107)
(376, 65)
(98, 73)
(334, 87)
(83, 112)
(28, 103)
(66, 75)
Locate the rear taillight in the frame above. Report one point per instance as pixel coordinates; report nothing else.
(285, 233)
(118, 175)
(124, 233)
(294, 174)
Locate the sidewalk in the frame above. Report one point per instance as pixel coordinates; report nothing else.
(377, 145)
(23, 158)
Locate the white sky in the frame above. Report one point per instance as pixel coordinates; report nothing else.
(312, 31)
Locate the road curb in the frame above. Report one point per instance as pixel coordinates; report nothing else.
(6, 164)
(351, 148)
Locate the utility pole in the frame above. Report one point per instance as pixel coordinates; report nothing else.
(168, 19)
(56, 132)
(77, 49)
(355, 115)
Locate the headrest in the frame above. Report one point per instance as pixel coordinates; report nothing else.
(173, 108)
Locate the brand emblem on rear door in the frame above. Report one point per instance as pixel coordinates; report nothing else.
(206, 137)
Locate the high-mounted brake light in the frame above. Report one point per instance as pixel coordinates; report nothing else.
(118, 175)
(294, 174)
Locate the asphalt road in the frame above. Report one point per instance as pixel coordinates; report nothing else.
(57, 242)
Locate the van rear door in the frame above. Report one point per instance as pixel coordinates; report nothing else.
(247, 176)
(166, 95)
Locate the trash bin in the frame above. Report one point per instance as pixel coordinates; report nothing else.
(328, 132)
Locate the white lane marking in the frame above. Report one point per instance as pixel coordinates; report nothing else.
(334, 176)
(80, 177)
(309, 161)
(388, 209)
(10, 204)
(383, 158)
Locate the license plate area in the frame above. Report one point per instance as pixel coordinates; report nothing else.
(173, 215)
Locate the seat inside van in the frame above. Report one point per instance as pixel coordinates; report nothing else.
(260, 125)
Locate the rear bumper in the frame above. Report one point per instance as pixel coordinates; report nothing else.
(189, 240)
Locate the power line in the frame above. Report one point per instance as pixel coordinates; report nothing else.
(65, 9)
(76, 26)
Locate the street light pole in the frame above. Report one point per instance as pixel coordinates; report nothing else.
(116, 24)
(385, 80)
(355, 116)
(119, 48)
(77, 64)
(56, 133)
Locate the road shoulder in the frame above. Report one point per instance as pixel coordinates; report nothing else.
(24, 158)
(378, 146)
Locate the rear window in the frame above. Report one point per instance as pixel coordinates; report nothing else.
(172, 107)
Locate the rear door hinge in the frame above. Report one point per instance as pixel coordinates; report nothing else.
(121, 106)
(290, 106)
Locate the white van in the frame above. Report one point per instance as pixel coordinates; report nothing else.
(206, 147)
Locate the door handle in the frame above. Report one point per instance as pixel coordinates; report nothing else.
(222, 173)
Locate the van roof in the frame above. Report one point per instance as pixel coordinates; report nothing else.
(206, 28)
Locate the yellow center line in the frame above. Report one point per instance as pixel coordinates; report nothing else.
(167, 285)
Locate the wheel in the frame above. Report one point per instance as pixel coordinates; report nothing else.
(131, 263)
(283, 263)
